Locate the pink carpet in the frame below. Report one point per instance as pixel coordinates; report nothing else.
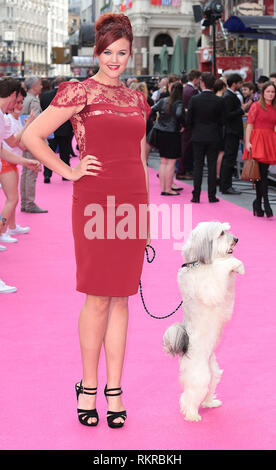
(40, 357)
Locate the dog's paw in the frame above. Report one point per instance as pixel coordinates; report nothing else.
(211, 403)
(192, 416)
(241, 269)
(238, 267)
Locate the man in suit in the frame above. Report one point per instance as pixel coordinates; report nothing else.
(62, 136)
(205, 116)
(28, 177)
(185, 164)
(233, 133)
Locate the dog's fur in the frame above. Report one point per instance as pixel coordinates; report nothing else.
(208, 298)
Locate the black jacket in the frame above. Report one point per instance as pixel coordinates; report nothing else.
(66, 129)
(172, 120)
(233, 114)
(205, 116)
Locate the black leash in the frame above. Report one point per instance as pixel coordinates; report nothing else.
(141, 292)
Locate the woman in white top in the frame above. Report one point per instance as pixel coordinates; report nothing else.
(9, 173)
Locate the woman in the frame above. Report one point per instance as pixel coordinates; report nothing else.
(143, 88)
(219, 90)
(165, 136)
(260, 142)
(109, 122)
(9, 173)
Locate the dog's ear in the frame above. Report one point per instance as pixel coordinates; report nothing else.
(188, 250)
(205, 250)
(199, 246)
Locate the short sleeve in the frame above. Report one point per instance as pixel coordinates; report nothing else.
(253, 111)
(8, 127)
(70, 94)
(143, 104)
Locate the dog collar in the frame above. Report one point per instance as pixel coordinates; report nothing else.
(192, 264)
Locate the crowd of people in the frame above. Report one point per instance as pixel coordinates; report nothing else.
(193, 117)
(20, 103)
(208, 120)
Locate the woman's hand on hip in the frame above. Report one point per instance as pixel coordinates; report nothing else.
(88, 166)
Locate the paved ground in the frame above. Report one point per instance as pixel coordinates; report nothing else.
(243, 200)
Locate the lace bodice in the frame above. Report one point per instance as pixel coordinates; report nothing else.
(261, 118)
(99, 99)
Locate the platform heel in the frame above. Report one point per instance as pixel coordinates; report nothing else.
(85, 415)
(112, 415)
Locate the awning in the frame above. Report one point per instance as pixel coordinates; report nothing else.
(177, 62)
(256, 27)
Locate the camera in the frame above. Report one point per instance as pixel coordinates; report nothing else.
(212, 11)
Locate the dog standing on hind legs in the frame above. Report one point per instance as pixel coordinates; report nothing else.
(207, 285)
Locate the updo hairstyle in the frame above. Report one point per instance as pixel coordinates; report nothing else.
(109, 28)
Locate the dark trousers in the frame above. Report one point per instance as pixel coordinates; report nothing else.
(64, 144)
(229, 161)
(186, 162)
(262, 185)
(200, 150)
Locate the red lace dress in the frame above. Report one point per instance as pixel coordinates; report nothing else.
(109, 210)
(263, 135)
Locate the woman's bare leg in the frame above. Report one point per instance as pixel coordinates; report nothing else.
(9, 182)
(92, 327)
(115, 343)
(162, 173)
(170, 166)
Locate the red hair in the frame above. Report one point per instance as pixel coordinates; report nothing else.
(109, 28)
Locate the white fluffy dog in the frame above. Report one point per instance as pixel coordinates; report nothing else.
(206, 283)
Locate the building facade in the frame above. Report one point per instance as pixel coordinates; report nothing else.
(23, 32)
(241, 52)
(58, 22)
(28, 31)
(154, 23)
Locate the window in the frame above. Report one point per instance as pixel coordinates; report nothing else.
(162, 39)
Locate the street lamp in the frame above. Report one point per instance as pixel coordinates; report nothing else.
(212, 12)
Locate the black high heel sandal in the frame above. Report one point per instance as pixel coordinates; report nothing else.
(267, 209)
(112, 415)
(85, 415)
(257, 209)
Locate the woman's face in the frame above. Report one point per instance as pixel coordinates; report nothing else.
(269, 93)
(18, 105)
(113, 60)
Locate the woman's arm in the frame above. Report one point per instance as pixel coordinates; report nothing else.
(34, 138)
(249, 129)
(180, 114)
(157, 106)
(144, 162)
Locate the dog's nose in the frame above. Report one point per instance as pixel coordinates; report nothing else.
(236, 240)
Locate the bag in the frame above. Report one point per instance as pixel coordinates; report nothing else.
(152, 138)
(251, 170)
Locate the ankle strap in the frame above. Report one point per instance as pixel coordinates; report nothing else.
(106, 390)
(84, 390)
